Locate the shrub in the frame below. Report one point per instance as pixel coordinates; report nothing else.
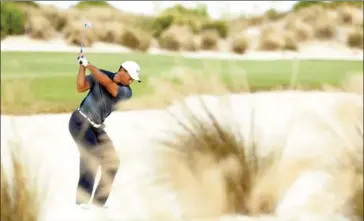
(337, 4)
(270, 39)
(88, 4)
(169, 40)
(188, 40)
(200, 10)
(302, 30)
(355, 38)
(209, 40)
(161, 23)
(135, 39)
(111, 33)
(100, 14)
(240, 43)
(237, 25)
(32, 4)
(178, 37)
(73, 34)
(145, 42)
(256, 20)
(142, 22)
(290, 41)
(70, 16)
(179, 15)
(220, 26)
(273, 15)
(40, 28)
(12, 20)
(349, 15)
(305, 4)
(268, 29)
(310, 14)
(195, 44)
(57, 20)
(325, 29)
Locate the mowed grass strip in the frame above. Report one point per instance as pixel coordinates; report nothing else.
(43, 82)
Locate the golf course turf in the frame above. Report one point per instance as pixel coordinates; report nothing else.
(39, 82)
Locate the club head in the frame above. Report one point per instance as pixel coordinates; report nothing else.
(88, 25)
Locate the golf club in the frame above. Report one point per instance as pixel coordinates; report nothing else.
(86, 25)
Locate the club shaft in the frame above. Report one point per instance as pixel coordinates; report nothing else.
(83, 36)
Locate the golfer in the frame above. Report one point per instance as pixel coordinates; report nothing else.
(86, 126)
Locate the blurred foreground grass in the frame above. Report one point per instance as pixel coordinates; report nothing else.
(41, 82)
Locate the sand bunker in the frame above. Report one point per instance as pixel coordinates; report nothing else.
(318, 128)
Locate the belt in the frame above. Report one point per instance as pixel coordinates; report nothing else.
(89, 120)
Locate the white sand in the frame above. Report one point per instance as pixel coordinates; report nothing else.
(276, 118)
(310, 50)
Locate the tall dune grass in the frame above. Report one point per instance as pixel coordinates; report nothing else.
(21, 198)
(216, 168)
(216, 172)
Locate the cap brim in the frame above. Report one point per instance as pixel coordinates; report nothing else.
(136, 78)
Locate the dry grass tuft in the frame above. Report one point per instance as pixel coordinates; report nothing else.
(55, 16)
(10, 102)
(353, 83)
(111, 33)
(73, 34)
(240, 43)
(169, 40)
(357, 198)
(256, 20)
(236, 25)
(310, 14)
(290, 41)
(100, 14)
(41, 28)
(135, 39)
(209, 40)
(349, 15)
(142, 22)
(325, 28)
(303, 31)
(218, 159)
(71, 15)
(355, 38)
(177, 38)
(271, 39)
(20, 199)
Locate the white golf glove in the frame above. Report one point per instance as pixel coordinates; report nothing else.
(82, 60)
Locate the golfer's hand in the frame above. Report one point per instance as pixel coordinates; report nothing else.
(82, 61)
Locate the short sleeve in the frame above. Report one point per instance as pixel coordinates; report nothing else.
(124, 93)
(90, 79)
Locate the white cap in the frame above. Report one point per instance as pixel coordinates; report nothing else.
(132, 68)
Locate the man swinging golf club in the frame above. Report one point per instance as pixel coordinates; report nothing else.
(86, 125)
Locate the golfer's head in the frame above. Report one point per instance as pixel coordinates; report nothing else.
(129, 71)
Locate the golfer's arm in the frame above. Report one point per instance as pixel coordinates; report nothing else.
(103, 80)
(82, 84)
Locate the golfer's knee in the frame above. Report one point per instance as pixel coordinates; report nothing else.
(114, 163)
(111, 165)
(117, 162)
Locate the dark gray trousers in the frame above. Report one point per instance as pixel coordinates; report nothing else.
(96, 149)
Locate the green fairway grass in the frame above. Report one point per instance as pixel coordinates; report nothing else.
(34, 82)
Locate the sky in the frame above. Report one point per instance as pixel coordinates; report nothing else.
(216, 9)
